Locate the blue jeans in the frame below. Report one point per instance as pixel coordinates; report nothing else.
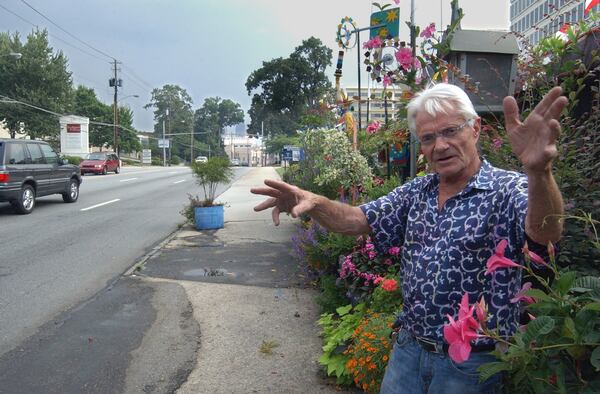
(411, 369)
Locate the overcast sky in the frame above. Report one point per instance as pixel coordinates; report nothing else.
(208, 47)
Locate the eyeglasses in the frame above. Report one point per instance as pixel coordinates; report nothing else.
(448, 133)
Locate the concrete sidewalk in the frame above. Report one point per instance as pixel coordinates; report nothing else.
(256, 314)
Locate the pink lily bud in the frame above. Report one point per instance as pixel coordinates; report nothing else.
(481, 311)
(551, 251)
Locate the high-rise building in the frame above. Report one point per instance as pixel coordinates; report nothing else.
(373, 108)
(536, 19)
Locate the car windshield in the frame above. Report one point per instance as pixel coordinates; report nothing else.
(96, 156)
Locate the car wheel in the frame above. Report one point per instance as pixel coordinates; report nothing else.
(117, 170)
(73, 192)
(104, 171)
(26, 202)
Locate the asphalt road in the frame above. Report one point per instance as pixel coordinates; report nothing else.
(63, 254)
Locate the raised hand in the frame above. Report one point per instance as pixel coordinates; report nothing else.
(283, 198)
(533, 141)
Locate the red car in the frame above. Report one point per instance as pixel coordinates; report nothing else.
(100, 163)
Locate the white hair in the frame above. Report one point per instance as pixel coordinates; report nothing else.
(440, 98)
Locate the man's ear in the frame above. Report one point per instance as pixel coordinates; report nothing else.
(477, 127)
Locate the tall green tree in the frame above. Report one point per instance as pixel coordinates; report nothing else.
(173, 106)
(211, 119)
(128, 139)
(86, 103)
(40, 78)
(285, 89)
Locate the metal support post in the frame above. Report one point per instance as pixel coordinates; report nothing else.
(164, 146)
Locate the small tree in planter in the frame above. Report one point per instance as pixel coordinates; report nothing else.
(209, 175)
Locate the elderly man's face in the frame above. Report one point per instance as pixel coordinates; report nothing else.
(450, 149)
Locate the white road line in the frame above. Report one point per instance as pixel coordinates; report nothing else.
(183, 180)
(101, 204)
(127, 180)
(173, 172)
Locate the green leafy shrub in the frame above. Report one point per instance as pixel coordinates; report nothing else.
(577, 168)
(331, 296)
(336, 331)
(364, 268)
(130, 162)
(559, 349)
(381, 187)
(76, 160)
(331, 167)
(175, 160)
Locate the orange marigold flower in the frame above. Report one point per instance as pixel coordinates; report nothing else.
(365, 386)
(385, 358)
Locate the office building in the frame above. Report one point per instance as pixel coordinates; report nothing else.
(536, 19)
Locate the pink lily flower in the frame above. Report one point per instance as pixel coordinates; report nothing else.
(534, 256)
(459, 335)
(520, 296)
(497, 260)
(461, 332)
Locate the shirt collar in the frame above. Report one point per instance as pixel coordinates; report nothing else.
(483, 179)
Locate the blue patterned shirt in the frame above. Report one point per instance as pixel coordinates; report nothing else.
(444, 251)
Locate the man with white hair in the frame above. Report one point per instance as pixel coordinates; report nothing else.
(448, 224)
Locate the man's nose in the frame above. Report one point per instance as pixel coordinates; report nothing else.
(440, 144)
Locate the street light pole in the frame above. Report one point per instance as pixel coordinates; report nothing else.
(164, 146)
(115, 112)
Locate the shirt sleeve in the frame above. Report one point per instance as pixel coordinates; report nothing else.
(387, 216)
(519, 202)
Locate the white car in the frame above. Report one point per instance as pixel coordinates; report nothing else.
(201, 159)
(235, 162)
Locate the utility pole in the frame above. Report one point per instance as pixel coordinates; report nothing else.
(192, 145)
(164, 144)
(413, 140)
(116, 83)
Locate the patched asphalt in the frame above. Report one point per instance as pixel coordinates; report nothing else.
(204, 257)
(91, 349)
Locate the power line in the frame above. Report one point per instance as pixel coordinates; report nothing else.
(51, 35)
(9, 100)
(135, 78)
(81, 41)
(134, 75)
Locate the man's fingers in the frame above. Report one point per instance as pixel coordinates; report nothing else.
(275, 215)
(279, 185)
(269, 203)
(547, 101)
(555, 129)
(556, 108)
(266, 191)
(302, 207)
(511, 113)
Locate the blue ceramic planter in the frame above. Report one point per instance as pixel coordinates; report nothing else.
(208, 218)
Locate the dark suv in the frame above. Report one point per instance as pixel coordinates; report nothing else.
(30, 169)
